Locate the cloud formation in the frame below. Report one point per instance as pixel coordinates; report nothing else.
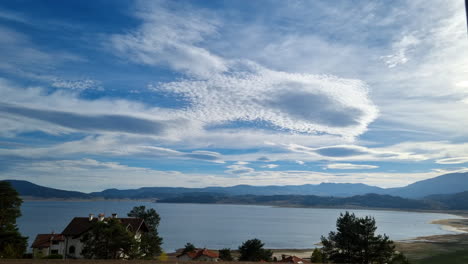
(167, 38)
(350, 166)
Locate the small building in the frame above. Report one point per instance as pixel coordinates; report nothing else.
(199, 255)
(291, 259)
(48, 244)
(75, 230)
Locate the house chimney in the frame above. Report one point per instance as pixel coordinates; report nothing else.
(114, 215)
(101, 217)
(91, 216)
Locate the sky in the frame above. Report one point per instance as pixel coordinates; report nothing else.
(124, 94)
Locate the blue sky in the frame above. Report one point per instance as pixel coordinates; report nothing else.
(125, 94)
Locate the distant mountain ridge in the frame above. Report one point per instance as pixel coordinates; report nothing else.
(444, 184)
(28, 189)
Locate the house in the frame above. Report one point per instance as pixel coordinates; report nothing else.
(75, 230)
(291, 259)
(48, 244)
(199, 255)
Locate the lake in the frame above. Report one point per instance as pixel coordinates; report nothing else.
(218, 226)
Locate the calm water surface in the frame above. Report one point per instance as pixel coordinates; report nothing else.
(218, 226)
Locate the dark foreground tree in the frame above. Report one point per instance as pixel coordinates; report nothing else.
(108, 239)
(12, 244)
(252, 250)
(225, 254)
(355, 242)
(150, 243)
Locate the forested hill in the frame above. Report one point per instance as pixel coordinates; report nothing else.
(28, 189)
(364, 201)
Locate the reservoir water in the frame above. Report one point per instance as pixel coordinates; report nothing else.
(219, 226)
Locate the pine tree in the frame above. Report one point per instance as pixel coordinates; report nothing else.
(150, 242)
(252, 250)
(225, 254)
(355, 242)
(317, 256)
(12, 244)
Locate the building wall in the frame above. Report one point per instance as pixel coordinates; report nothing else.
(75, 242)
(40, 252)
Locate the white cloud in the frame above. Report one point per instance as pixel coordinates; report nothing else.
(171, 38)
(239, 169)
(295, 102)
(270, 166)
(76, 84)
(457, 160)
(401, 49)
(349, 166)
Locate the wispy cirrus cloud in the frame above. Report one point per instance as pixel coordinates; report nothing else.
(349, 166)
(172, 39)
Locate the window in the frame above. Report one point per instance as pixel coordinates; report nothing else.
(55, 242)
(71, 250)
(54, 252)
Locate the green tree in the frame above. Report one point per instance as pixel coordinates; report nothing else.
(317, 256)
(108, 239)
(12, 244)
(225, 254)
(399, 258)
(149, 243)
(188, 247)
(252, 250)
(355, 242)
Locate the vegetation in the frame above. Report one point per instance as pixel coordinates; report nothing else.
(355, 242)
(225, 254)
(163, 257)
(108, 240)
(188, 248)
(317, 256)
(12, 244)
(150, 242)
(252, 250)
(367, 200)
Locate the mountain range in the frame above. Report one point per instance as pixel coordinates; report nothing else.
(442, 185)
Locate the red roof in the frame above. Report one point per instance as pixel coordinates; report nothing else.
(44, 240)
(292, 259)
(199, 253)
(79, 225)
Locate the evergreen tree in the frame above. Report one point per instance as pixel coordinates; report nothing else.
(108, 239)
(355, 242)
(317, 256)
(225, 254)
(188, 248)
(12, 244)
(252, 250)
(149, 243)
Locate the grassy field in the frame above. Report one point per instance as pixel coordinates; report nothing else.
(451, 249)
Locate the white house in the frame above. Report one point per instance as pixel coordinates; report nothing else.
(75, 230)
(48, 244)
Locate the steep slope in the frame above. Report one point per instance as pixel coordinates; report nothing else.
(25, 188)
(444, 184)
(457, 201)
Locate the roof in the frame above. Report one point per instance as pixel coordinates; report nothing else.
(79, 225)
(44, 240)
(292, 259)
(199, 253)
